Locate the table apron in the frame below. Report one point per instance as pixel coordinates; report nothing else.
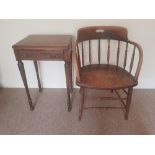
(40, 55)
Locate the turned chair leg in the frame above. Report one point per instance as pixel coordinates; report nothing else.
(82, 102)
(129, 97)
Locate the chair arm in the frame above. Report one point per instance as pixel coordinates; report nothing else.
(140, 58)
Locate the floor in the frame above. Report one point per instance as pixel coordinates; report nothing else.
(51, 116)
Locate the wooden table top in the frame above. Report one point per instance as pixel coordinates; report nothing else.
(43, 42)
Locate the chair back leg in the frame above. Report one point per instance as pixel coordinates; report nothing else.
(82, 94)
(128, 102)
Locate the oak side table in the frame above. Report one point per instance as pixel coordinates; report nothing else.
(45, 47)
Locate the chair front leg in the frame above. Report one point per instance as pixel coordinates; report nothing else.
(128, 102)
(82, 93)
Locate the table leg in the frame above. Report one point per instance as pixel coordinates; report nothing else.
(38, 78)
(71, 75)
(23, 75)
(68, 83)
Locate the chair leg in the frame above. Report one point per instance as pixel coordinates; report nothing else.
(129, 97)
(82, 103)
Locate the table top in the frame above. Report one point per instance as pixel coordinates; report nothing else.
(43, 42)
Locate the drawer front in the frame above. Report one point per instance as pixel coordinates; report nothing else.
(40, 55)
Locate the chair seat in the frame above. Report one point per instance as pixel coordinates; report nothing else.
(100, 76)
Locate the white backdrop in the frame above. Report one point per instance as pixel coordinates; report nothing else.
(52, 73)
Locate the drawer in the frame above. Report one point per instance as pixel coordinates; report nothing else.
(40, 55)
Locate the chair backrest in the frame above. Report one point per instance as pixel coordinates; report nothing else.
(118, 50)
(102, 32)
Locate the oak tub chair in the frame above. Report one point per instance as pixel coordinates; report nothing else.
(113, 67)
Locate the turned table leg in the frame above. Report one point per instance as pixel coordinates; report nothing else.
(37, 73)
(71, 75)
(23, 75)
(68, 83)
